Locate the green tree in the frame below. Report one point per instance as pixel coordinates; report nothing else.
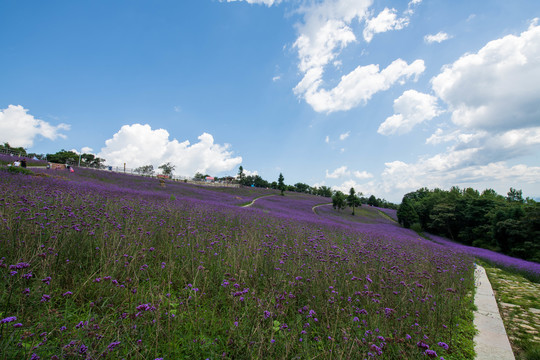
(90, 160)
(338, 200)
(373, 201)
(353, 200)
(260, 182)
(63, 157)
(281, 184)
(145, 170)
(167, 169)
(241, 174)
(515, 196)
(13, 150)
(301, 187)
(406, 213)
(324, 191)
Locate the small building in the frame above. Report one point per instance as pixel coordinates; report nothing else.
(55, 166)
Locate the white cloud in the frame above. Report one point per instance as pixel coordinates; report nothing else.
(496, 88)
(339, 172)
(438, 37)
(411, 108)
(264, 2)
(84, 150)
(327, 139)
(250, 173)
(458, 136)
(19, 128)
(367, 188)
(344, 136)
(432, 173)
(276, 78)
(358, 86)
(386, 20)
(363, 175)
(138, 145)
(326, 31)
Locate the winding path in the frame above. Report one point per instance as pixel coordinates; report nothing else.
(316, 206)
(257, 198)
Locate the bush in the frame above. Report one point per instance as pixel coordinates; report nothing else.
(416, 227)
(18, 170)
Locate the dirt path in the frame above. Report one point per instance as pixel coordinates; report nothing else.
(316, 206)
(257, 198)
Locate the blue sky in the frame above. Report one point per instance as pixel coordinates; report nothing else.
(382, 96)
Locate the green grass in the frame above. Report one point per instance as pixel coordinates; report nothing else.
(516, 296)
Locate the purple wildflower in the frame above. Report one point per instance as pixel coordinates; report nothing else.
(8, 319)
(443, 345)
(113, 345)
(431, 353)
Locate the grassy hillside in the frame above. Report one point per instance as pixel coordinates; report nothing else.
(96, 264)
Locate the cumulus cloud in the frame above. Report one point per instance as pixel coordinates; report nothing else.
(411, 109)
(493, 96)
(339, 172)
(364, 188)
(430, 172)
(494, 99)
(250, 173)
(386, 20)
(326, 31)
(438, 37)
(84, 150)
(19, 128)
(138, 145)
(358, 86)
(363, 175)
(497, 87)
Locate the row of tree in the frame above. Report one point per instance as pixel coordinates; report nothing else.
(60, 157)
(510, 224)
(72, 158)
(340, 201)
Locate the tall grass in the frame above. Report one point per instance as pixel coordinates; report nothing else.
(91, 269)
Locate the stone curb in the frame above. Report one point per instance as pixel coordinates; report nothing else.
(491, 342)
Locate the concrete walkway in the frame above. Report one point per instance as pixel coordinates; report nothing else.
(491, 341)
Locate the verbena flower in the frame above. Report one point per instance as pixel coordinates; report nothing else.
(8, 319)
(443, 345)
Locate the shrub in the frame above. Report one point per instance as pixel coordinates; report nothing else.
(18, 170)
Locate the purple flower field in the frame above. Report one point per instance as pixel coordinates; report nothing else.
(528, 268)
(99, 265)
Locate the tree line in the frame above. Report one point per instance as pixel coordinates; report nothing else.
(340, 200)
(507, 224)
(60, 157)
